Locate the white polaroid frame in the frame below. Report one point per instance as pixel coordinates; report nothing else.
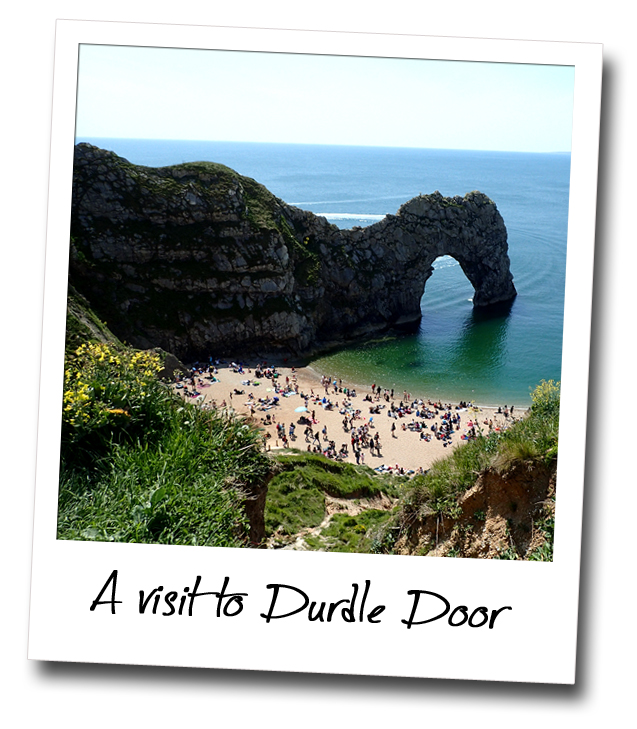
(534, 641)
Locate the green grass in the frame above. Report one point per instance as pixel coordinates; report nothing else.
(296, 495)
(293, 503)
(185, 487)
(140, 465)
(534, 438)
(448, 478)
(344, 480)
(347, 533)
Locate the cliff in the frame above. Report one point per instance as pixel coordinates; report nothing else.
(503, 516)
(197, 259)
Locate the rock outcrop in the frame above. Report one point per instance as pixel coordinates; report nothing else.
(197, 259)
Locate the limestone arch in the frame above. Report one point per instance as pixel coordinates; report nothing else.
(394, 258)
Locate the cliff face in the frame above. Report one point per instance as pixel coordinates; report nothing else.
(498, 518)
(198, 259)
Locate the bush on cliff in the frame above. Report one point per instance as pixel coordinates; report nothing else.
(139, 465)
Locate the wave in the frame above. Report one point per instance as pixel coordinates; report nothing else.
(400, 198)
(351, 216)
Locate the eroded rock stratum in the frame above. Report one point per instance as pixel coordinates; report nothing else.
(198, 259)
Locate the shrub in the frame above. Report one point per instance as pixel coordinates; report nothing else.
(140, 465)
(546, 398)
(110, 395)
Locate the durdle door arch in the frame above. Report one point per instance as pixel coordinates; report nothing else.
(393, 259)
(195, 258)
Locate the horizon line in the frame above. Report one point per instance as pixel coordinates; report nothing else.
(321, 144)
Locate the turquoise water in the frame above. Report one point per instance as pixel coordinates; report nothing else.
(458, 353)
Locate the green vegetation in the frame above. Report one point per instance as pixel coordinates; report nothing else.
(308, 262)
(347, 533)
(344, 480)
(533, 439)
(296, 495)
(139, 465)
(546, 524)
(293, 504)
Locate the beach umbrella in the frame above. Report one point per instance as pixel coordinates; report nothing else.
(302, 409)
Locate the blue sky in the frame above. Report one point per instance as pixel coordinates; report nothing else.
(158, 93)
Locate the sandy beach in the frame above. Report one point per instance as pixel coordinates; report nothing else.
(248, 392)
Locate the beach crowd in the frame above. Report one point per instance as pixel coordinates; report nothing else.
(372, 426)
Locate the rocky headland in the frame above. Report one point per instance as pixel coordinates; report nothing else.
(197, 259)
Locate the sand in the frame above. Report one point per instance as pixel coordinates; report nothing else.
(402, 449)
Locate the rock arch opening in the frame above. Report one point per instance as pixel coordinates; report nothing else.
(447, 284)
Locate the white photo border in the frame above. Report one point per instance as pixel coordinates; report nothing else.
(68, 576)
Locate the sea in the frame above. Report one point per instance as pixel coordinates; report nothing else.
(457, 353)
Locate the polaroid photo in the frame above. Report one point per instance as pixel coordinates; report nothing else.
(315, 352)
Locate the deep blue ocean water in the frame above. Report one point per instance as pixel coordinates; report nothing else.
(456, 354)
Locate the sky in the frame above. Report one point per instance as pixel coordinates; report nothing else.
(172, 93)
